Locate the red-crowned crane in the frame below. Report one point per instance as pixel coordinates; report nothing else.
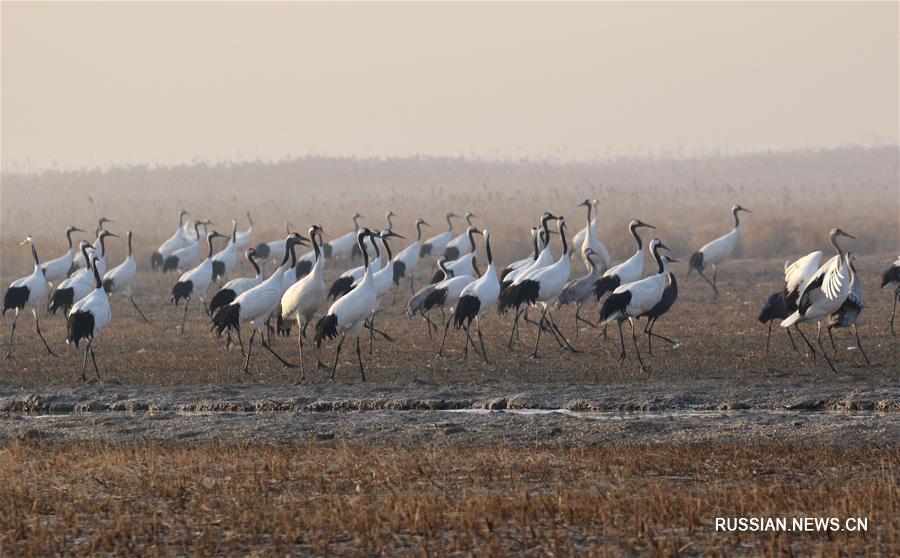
(88, 317)
(349, 313)
(27, 292)
(80, 283)
(718, 250)
(670, 295)
(235, 287)
(579, 290)
(590, 240)
(186, 256)
(460, 246)
(57, 269)
(404, 263)
(225, 259)
(303, 300)
(272, 250)
(120, 278)
(344, 282)
(848, 314)
(783, 303)
(476, 298)
(631, 300)
(891, 278)
(244, 238)
(435, 245)
(78, 261)
(466, 263)
(824, 294)
(626, 272)
(179, 239)
(256, 305)
(195, 281)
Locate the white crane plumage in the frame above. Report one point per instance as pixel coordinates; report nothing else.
(435, 245)
(466, 264)
(716, 251)
(80, 283)
(848, 314)
(255, 306)
(273, 250)
(460, 245)
(824, 294)
(88, 317)
(244, 238)
(634, 299)
(195, 281)
(349, 313)
(186, 256)
(580, 290)
(590, 240)
(230, 290)
(343, 245)
(27, 292)
(78, 261)
(345, 281)
(120, 278)
(58, 269)
(303, 300)
(179, 239)
(405, 262)
(476, 298)
(783, 303)
(226, 258)
(521, 263)
(630, 270)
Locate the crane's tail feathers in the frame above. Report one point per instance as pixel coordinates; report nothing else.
(262, 251)
(399, 271)
(326, 328)
(507, 298)
(227, 317)
(218, 270)
(614, 306)
(170, 264)
(108, 285)
(340, 287)
(791, 320)
(61, 299)
(220, 299)
(182, 289)
(282, 326)
(326, 250)
(156, 261)
(436, 297)
(892, 275)
(466, 310)
(425, 250)
(302, 269)
(437, 277)
(451, 253)
(80, 325)
(605, 285)
(15, 298)
(696, 262)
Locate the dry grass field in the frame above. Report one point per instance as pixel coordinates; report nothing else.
(330, 499)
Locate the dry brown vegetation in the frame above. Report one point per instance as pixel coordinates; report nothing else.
(324, 498)
(688, 199)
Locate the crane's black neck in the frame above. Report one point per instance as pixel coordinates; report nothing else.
(98, 284)
(209, 239)
(546, 229)
(84, 252)
(469, 219)
(418, 231)
(234, 231)
(534, 242)
(197, 229)
(387, 248)
(180, 219)
(590, 208)
(289, 248)
(102, 245)
(737, 220)
(449, 223)
(356, 222)
(448, 273)
(636, 236)
(375, 245)
(252, 259)
(390, 220)
(562, 236)
(250, 219)
(129, 243)
(315, 243)
(293, 250)
(661, 267)
(471, 233)
(69, 237)
(487, 248)
(34, 255)
(360, 241)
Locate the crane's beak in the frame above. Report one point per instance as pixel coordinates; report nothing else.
(76, 229)
(390, 234)
(672, 260)
(663, 246)
(848, 235)
(114, 235)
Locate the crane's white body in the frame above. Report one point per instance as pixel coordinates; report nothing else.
(121, 276)
(438, 243)
(97, 304)
(305, 297)
(410, 256)
(460, 243)
(354, 308)
(188, 255)
(179, 239)
(358, 272)
(465, 265)
(243, 239)
(645, 294)
(200, 278)
(82, 281)
(37, 288)
(827, 290)
(258, 303)
(486, 288)
(720, 249)
(552, 279)
(454, 287)
(57, 268)
(799, 273)
(628, 271)
(78, 259)
(544, 259)
(228, 255)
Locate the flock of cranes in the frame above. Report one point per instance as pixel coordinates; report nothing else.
(296, 292)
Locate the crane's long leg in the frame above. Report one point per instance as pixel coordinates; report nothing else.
(634, 342)
(791, 337)
(337, 354)
(769, 335)
(711, 284)
(812, 350)
(512, 332)
(94, 358)
(359, 359)
(133, 303)
(555, 327)
(84, 363)
(37, 326)
(444, 338)
(481, 340)
(300, 343)
(269, 348)
(11, 335)
(537, 341)
(622, 341)
(825, 354)
(240, 341)
(249, 352)
(894, 311)
(184, 316)
(831, 337)
(859, 344)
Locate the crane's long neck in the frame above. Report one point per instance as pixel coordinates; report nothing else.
(180, 219)
(84, 252)
(34, 256)
(98, 284)
(102, 246)
(418, 231)
(255, 265)
(129, 244)
(315, 243)
(209, 239)
(589, 209)
(472, 240)
(449, 224)
(443, 265)
(565, 245)
(234, 232)
(487, 248)
(546, 230)
(534, 243)
(390, 220)
(69, 238)
(360, 240)
(661, 266)
(837, 247)
(637, 237)
(387, 248)
(375, 245)
(197, 230)
(356, 222)
(737, 220)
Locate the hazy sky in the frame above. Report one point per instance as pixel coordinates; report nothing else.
(98, 84)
